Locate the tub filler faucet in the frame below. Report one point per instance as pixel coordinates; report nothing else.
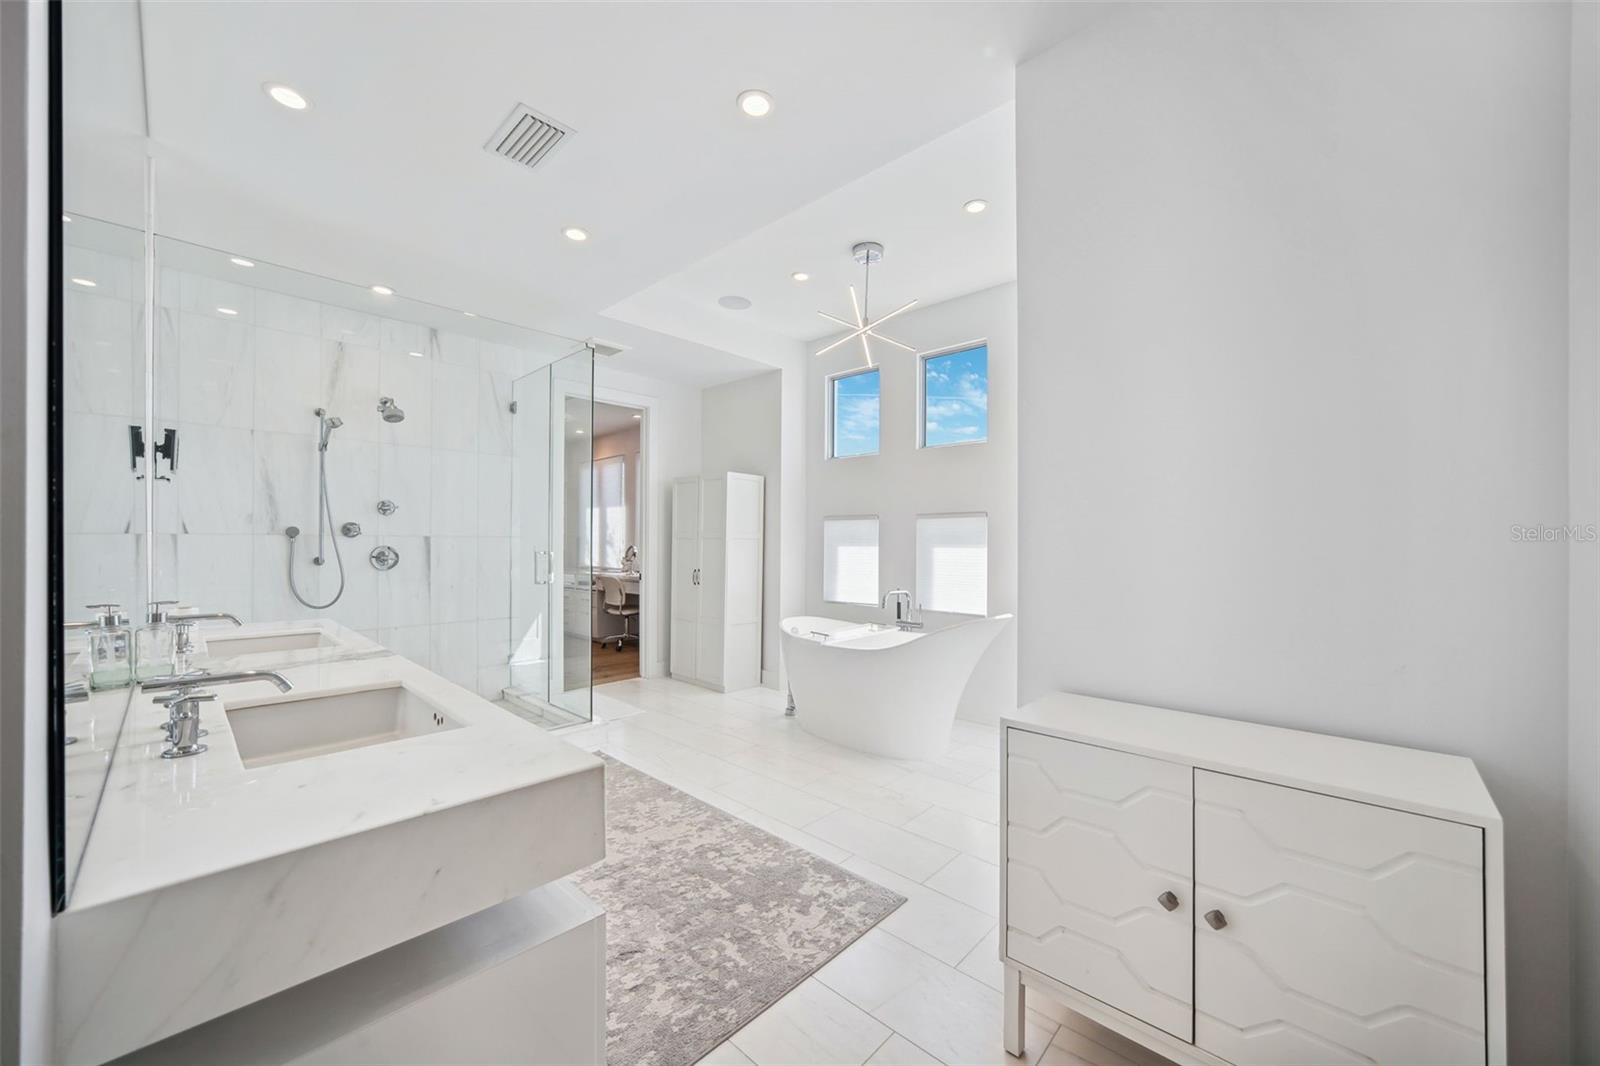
(904, 612)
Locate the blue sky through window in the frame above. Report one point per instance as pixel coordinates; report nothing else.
(855, 415)
(955, 392)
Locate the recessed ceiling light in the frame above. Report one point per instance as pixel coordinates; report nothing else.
(734, 303)
(755, 103)
(85, 282)
(579, 432)
(975, 207)
(286, 96)
(637, 417)
(66, 218)
(239, 261)
(383, 290)
(419, 355)
(574, 233)
(469, 314)
(800, 275)
(226, 311)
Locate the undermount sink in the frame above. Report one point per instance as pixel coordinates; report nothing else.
(282, 729)
(226, 647)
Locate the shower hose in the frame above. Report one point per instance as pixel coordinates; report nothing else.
(324, 511)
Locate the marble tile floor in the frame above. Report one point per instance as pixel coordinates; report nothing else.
(924, 985)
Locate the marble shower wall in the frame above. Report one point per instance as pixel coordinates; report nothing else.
(241, 389)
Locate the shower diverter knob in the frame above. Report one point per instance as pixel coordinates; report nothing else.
(384, 557)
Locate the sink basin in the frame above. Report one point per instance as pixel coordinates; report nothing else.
(225, 647)
(277, 730)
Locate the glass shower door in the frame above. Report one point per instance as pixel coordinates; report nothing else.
(531, 556)
(551, 575)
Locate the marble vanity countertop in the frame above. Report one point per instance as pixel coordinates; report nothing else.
(166, 821)
(207, 885)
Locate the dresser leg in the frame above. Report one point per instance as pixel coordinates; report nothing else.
(1016, 1010)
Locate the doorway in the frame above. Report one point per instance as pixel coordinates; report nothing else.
(615, 533)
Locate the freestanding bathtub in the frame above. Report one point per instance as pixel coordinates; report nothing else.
(877, 689)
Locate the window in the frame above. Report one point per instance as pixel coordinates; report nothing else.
(608, 517)
(850, 560)
(953, 563)
(853, 418)
(955, 397)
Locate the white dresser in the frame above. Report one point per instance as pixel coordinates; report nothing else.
(716, 580)
(1224, 892)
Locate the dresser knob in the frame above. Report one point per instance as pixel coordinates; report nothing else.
(1168, 900)
(1215, 919)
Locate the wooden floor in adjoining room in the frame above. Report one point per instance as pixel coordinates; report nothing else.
(608, 664)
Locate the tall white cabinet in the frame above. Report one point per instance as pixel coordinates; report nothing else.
(1225, 892)
(715, 637)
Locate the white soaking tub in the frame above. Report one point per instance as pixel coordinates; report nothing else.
(877, 689)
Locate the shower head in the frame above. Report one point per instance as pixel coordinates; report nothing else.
(390, 410)
(326, 424)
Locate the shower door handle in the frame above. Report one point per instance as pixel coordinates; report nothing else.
(538, 557)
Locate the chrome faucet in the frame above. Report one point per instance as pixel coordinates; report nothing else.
(157, 612)
(199, 678)
(904, 610)
(183, 706)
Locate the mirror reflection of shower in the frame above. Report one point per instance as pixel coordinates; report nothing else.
(326, 424)
(390, 410)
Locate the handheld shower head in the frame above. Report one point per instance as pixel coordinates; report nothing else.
(390, 410)
(326, 424)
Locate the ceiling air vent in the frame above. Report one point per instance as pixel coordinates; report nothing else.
(606, 348)
(526, 136)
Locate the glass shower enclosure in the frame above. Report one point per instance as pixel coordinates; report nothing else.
(405, 470)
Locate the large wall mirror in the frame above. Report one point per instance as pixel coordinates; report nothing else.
(263, 465)
(102, 417)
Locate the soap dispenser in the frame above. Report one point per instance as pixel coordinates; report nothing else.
(190, 645)
(155, 644)
(110, 647)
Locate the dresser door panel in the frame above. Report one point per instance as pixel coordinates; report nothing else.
(1093, 838)
(1354, 932)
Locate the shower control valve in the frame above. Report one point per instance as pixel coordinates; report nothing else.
(384, 557)
(387, 507)
(351, 529)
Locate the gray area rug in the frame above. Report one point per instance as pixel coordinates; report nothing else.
(709, 920)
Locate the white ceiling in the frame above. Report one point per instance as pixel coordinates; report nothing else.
(933, 249)
(613, 418)
(384, 179)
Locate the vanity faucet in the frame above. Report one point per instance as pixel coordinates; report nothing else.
(904, 611)
(199, 678)
(183, 705)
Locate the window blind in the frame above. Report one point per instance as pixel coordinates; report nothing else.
(610, 511)
(850, 560)
(953, 563)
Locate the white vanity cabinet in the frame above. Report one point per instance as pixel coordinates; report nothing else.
(715, 638)
(1228, 892)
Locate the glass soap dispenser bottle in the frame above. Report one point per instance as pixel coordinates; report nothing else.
(155, 644)
(110, 648)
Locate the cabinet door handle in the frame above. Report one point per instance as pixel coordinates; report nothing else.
(1215, 919)
(1168, 900)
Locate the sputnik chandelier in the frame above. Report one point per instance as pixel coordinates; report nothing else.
(866, 253)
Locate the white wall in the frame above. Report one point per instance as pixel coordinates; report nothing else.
(741, 430)
(26, 979)
(1293, 303)
(671, 450)
(903, 481)
(1583, 641)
